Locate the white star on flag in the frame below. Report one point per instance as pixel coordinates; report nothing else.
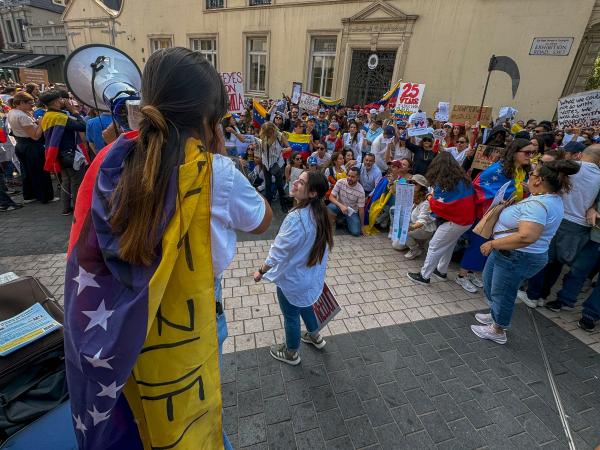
(110, 390)
(98, 317)
(79, 425)
(96, 361)
(85, 279)
(98, 416)
(441, 199)
(494, 178)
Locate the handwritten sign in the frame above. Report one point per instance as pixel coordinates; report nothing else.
(409, 99)
(326, 307)
(542, 46)
(309, 102)
(464, 113)
(38, 76)
(402, 210)
(580, 110)
(418, 121)
(234, 86)
(485, 156)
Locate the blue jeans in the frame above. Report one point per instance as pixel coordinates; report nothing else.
(352, 222)
(573, 281)
(221, 336)
(564, 248)
(503, 274)
(291, 321)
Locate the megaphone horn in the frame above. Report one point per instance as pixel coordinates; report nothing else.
(98, 73)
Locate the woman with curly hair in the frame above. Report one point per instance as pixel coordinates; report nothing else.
(453, 203)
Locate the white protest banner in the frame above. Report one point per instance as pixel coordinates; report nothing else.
(309, 102)
(507, 112)
(402, 210)
(579, 110)
(419, 124)
(234, 86)
(409, 99)
(443, 112)
(296, 92)
(326, 307)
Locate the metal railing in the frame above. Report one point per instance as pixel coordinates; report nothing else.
(259, 2)
(215, 4)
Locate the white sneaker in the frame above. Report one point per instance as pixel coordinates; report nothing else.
(484, 319)
(476, 280)
(465, 284)
(396, 245)
(412, 254)
(31, 200)
(488, 332)
(522, 295)
(55, 199)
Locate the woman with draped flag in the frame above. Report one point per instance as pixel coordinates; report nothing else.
(154, 229)
(512, 170)
(453, 204)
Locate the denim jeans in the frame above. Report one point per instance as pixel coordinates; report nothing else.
(503, 274)
(5, 200)
(564, 248)
(591, 307)
(574, 279)
(352, 222)
(221, 336)
(291, 321)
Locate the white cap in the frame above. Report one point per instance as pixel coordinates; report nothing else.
(373, 111)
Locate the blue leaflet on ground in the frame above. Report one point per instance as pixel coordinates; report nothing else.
(8, 277)
(25, 328)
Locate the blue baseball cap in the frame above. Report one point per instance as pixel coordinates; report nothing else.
(313, 161)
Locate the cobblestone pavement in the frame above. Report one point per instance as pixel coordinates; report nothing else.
(401, 367)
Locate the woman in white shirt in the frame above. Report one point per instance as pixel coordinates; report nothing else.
(232, 135)
(354, 140)
(297, 263)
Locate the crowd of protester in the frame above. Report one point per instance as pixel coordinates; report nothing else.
(364, 153)
(551, 176)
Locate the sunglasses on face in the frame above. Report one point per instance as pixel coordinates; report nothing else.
(462, 142)
(320, 148)
(527, 153)
(297, 159)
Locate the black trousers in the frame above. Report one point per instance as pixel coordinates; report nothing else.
(37, 184)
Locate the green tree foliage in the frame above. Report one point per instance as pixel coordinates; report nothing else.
(594, 80)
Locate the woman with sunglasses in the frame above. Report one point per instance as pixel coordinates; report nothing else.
(519, 248)
(354, 140)
(461, 151)
(512, 168)
(293, 170)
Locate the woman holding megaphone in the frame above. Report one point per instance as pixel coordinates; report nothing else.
(154, 230)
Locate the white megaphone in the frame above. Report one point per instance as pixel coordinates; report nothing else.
(105, 78)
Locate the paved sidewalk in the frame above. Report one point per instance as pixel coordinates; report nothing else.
(428, 384)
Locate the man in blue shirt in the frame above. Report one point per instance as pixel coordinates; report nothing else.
(94, 129)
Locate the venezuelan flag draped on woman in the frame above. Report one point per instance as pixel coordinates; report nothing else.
(143, 312)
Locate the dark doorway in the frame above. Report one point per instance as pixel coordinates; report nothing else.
(368, 85)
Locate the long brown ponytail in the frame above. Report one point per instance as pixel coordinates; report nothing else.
(182, 96)
(318, 184)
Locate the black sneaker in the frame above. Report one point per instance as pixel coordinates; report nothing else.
(417, 278)
(440, 276)
(586, 324)
(555, 305)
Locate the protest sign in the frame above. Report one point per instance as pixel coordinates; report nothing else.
(352, 114)
(309, 102)
(296, 92)
(464, 113)
(442, 114)
(507, 112)
(485, 156)
(326, 307)
(402, 210)
(579, 110)
(419, 124)
(280, 107)
(409, 99)
(234, 86)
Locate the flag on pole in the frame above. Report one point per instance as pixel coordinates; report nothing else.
(390, 98)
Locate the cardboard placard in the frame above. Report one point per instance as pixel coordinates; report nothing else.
(464, 113)
(309, 102)
(419, 124)
(38, 76)
(579, 110)
(326, 307)
(485, 156)
(402, 210)
(234, 86)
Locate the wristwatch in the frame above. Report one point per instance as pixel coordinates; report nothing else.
(261, 271)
